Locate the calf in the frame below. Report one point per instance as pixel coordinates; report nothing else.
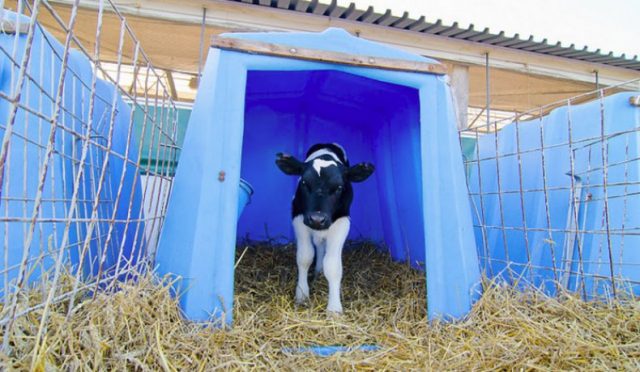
(321, 213)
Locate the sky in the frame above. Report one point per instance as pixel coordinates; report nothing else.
(609, 25)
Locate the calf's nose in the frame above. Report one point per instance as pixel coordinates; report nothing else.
(318, 218)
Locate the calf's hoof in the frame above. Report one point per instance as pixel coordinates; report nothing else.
(335, 316)
(334, 310)
(317, 275)
(301, 299)
(302, 303)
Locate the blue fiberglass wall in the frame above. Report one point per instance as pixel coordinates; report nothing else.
(374, 121)
(25, 161)
(549, 245)
(250, 107)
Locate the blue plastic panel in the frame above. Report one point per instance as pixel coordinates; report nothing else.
(326, 351)
(548, 245)
(249, 107)
(374, 121)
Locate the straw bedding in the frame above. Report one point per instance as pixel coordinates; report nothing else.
(139, 327)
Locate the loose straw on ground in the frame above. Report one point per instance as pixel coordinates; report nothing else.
(140, 327)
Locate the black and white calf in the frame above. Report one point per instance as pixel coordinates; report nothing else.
(321, 213)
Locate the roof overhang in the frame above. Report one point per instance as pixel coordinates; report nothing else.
(170, 34)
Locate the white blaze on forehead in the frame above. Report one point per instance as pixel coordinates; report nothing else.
(321, 152)
(318, 164)
(341, 148)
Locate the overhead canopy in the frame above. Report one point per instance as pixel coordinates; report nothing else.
(174, 46)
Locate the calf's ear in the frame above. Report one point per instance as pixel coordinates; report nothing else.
(288, 164)
(360, 172)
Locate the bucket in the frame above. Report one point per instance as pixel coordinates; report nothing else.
(244, 196)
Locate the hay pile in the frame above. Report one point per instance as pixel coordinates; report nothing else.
(139, 327)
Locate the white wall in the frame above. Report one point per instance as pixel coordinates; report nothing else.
(155, 191)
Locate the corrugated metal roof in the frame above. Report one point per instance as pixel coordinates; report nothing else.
(404, 22)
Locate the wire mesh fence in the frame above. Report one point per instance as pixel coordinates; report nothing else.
(555, 193)
(82, 154)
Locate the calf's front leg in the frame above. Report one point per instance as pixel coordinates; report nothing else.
(332, 262)
(319, 259)
(304, 258)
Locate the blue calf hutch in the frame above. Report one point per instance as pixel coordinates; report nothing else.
(251, 106)
(581, 212)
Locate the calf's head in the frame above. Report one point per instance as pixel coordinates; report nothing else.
(324, 191)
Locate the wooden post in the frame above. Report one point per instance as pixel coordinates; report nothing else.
(488, 91)
(172, 84)
(460, 90)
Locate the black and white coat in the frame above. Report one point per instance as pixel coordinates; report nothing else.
(320, 213)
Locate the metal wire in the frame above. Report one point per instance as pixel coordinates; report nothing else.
(72, 202)
(579, 232)
(574, 207)
(604, 153)
(500, 201)
(522, 203)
